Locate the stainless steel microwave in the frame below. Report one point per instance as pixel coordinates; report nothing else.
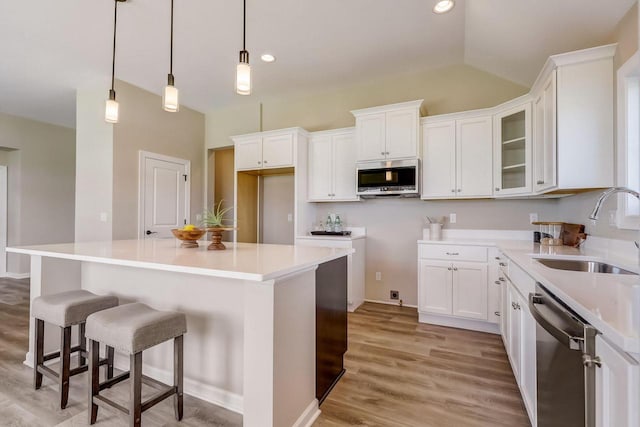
(398, 178)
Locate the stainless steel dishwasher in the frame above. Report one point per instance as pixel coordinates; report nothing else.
(565, 363)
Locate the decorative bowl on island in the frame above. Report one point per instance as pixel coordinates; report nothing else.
(189, 237)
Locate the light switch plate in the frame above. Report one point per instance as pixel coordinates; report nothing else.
(453, 218)
(533, 217)
(104, 217)
(290, 217)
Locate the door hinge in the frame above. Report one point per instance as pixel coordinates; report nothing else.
(185, 177)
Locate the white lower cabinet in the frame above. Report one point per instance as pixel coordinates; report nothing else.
(528, 361)
(453, 287)
(617, 387)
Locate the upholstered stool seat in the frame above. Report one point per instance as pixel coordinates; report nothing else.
(64, 310)
(133, 328)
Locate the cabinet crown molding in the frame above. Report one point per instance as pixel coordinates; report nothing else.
(388, 108)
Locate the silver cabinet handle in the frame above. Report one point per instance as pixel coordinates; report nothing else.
(459, 190)
(513, 305)
(382, 153)
(589, 361)
(502, 279)
(502, 264)
(453, 253)
(453, 190)
(387, 153)
(497, 257)
(264, 161)
(497, 313)
(449, 268)
(497, 189)
(455, 268)
(540, 182)
(497, 282)
(259, 162)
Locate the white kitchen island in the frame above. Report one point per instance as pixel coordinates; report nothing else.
(251, 314)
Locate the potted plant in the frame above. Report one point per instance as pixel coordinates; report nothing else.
(214, 222)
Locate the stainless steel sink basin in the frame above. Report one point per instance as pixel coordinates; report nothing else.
(588, 266)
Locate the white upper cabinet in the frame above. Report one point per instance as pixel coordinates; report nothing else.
(332, 166)
(388, 132)
(457, 158)
(512, 151)
(267, 150)
(474, 157)
(573, 121)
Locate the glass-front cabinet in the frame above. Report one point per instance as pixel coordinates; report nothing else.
(512, 163)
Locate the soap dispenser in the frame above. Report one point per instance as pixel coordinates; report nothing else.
(328, 226)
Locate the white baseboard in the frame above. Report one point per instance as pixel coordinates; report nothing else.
(309, 415)
(390, 303)
(18, 275)
(206, 392)
(456, 322)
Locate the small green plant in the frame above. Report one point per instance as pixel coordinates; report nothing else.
(215, 217)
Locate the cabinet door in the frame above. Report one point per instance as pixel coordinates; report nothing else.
(439, 160)
(544, 137)
(470, 290)
(474, 155)
(320, 168)
(514, 349)
(435, 287)
(617, 388)
(370, 136)
(277, 151)
(402, 134)
(344, 167)
(248, 154)
(528, 361)
(512, 151)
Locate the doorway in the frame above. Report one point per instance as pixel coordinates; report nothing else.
(164, 188)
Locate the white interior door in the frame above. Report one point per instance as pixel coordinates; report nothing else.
(164, 194)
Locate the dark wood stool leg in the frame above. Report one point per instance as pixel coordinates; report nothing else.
(65, 361)
(109, 366)
(178, 363)
(135, 398)
(94, 379)
(82, 342)
(38, 357)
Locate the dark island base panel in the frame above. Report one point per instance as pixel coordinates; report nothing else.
(331, 324)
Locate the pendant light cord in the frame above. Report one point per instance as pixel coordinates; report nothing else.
(244, 24)
(171, 49)
(113, 58)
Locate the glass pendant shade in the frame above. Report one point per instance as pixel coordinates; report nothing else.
(111, 109)
(170, 99)
(243, 79)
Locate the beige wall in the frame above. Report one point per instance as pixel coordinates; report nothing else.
(41, 184)
(108, 157)
(145, 126)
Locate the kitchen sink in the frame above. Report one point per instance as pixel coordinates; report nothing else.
(588, 266)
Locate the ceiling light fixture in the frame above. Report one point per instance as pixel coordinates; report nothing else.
(170, 94)
(443, 6)
(267, 57)
(243, 69)
(111, 108)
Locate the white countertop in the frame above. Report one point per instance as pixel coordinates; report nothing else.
(610, 302)
(245, 261)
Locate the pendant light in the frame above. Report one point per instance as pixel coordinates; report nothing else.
(170, 95)
(111, 107)
(243, 69)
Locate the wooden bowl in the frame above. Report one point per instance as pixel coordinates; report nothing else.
(189, 238)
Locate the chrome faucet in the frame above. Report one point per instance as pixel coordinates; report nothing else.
(606, 194)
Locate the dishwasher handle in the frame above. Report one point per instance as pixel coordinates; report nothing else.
(570, 341)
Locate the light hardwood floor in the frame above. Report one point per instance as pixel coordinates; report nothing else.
(399, 373)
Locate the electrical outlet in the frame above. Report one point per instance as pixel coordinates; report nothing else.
(394, 295)
(198, 217)
(452, 218)
(613, 218)
(290, 217)
(533, 217)
(104, 217)
(378, 276)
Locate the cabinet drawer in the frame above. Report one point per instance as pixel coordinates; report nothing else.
(454, 252)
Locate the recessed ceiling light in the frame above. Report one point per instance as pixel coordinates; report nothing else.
(443, 6)
(267, 57)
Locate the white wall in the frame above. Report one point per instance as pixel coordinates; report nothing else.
(41, 184)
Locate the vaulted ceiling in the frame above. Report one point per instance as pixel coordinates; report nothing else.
(51, 48)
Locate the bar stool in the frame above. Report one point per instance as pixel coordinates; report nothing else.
(65, 309)
(133, 328)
